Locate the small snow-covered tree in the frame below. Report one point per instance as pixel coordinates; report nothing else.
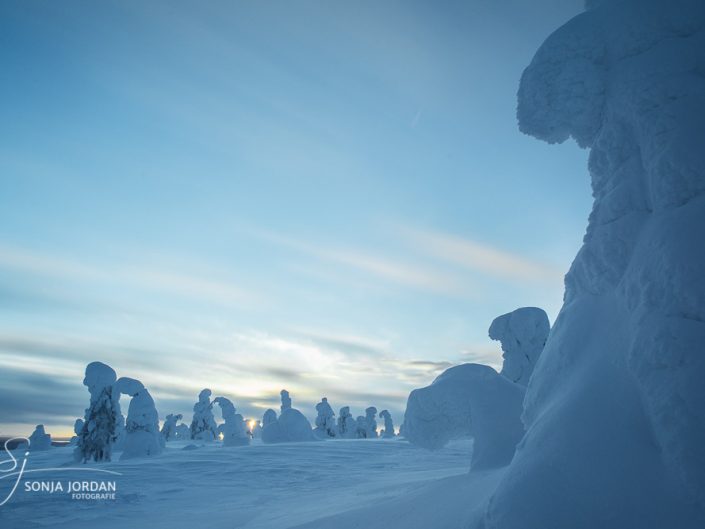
(388, 424)
(169, 427)
(233, 429)
(98, 433)
(256, 430)
(269, 417)
(325, 420)
(203, 425)
(347, 426)
(361, 427)
(370, 422)
(39, 440)
(286, 400)
(183, 432)
(77, 427)
(142, 437)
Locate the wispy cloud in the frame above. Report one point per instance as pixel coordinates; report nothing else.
(478, 257)
(397, 270)
(162, 279)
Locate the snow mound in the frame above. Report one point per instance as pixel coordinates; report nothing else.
(469, 400)
(614, 409)
(523, 334)
(290, 427)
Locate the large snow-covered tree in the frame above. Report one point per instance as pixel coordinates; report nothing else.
(203, 425)
(99, 431)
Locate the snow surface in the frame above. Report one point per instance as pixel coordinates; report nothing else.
(383, 483)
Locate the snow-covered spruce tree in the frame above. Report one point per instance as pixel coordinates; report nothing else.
(325, 420)
(388, 424)
(39, 439)
(291, 426)
(169, 427)
(256, 430)
(361, 427)
(183, 432)
(77, 427)
(269, 417)
(523, 334)
(203, 425)
(614, 409)
(347, 426)
(142, 436)
(233, 429)
(371, 423)
(99, 429)
(286, 400)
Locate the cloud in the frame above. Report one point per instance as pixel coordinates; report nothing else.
(478, 257)
(163, 279)
(397, 270)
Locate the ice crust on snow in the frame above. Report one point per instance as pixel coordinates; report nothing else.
(614, 409)
(523, 334)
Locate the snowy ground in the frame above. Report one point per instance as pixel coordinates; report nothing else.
(358, 483)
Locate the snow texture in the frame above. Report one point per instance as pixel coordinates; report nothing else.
(469, 400)
(169, 427)
(142, 436)
(290, 427)
(614, 411)
(523, 334)
(388, 424)
(233, 429)
(325, 420)
(99, 431)
(347, 426)
(203, 425)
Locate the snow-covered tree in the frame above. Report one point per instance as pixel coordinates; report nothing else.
(291, 426)
(39, 440)
(183, 432)
(99, 429)
(203, 425)
(361, 427)
(523, 334)
(325, 420)
(142, 436)
(347, 426)
(370, 422)
(621, 376)
(77, 427)
(388, 424)
(286, 400)
(269, 417)
(233, 429)
(469, 400)
(169, 427)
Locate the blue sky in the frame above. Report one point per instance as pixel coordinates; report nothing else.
(324, 196)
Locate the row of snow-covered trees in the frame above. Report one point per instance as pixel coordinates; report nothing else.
(104, 428)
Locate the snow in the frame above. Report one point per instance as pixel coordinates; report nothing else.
(388, 424)
(203, 425)
(142, 436)
(39, 439)
(325, 420)
(347, 426)
(523, 334)
(469, 400)
(233, 429)
(260, 486)
(291, 426)
(169, 427)
(614, 409)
